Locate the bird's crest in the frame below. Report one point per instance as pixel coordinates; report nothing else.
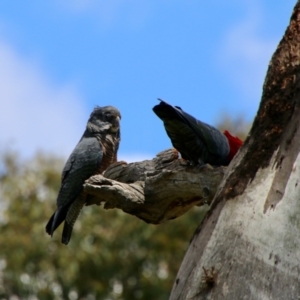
(234, 143)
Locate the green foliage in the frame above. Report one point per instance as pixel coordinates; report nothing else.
(111, 255)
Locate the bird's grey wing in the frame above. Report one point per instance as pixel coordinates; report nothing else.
(215, 140)
(192, 132)
(82, 163)
(179, 131)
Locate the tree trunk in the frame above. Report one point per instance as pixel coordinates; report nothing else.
(248, 245)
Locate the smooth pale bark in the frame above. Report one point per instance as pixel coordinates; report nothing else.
(248, 246)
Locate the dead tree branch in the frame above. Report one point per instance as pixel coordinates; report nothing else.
(154, 190)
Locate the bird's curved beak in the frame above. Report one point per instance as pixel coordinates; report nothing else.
(116, 124)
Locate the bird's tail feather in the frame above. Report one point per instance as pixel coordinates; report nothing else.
(49, 225)
(71, 217)
(67, 232)
(57, 218)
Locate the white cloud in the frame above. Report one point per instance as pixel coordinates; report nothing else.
(36, 114)
(107, 12)
(245, 54)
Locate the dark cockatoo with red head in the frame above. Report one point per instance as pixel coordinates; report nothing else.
(197, 141)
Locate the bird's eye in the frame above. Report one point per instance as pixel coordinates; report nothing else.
(109, 117)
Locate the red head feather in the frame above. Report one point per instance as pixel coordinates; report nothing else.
(234, 143)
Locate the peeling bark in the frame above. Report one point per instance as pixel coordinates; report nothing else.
(154, 190)
(251, 235)
(278, 103)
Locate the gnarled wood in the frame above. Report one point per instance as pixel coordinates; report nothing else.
(154, 190)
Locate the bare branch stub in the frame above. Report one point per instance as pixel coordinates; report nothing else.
(154, 190)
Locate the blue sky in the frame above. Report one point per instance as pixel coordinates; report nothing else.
(58, 59)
